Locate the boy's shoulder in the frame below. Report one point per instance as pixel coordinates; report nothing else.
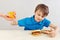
(27, 20)
(46, 19)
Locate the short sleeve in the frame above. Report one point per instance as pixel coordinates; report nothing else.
(21, 22)
(46, 23)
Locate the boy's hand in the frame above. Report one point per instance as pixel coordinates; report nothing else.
(14, 23)
(53, 27)
(52, 34)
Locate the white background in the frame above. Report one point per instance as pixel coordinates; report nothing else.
(25, 8)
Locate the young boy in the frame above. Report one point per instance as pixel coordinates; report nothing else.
(37, 21)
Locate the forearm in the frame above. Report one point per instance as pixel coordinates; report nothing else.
(5, 17)
(9, 19)
(53, 28)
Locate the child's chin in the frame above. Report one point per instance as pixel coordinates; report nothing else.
(38, 20)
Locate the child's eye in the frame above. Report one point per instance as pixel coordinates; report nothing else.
(38, 15)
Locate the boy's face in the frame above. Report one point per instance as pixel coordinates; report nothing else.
(39, 16)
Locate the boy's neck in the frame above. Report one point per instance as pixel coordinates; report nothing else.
(36, 19)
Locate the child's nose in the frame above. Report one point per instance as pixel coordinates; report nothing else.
(40, 17)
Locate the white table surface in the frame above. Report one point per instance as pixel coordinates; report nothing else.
(24, 35)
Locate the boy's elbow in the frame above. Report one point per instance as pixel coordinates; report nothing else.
(14, 23)
(53, 27)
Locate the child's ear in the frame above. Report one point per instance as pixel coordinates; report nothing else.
(34, 12)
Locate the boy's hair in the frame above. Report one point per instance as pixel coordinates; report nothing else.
(43, 8)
